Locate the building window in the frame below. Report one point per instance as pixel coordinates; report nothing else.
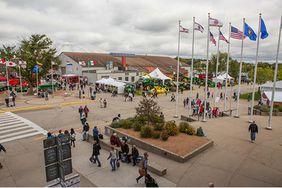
(126, 78)
(119, 78)
(105, 77)
(132, 79)
(137, 73)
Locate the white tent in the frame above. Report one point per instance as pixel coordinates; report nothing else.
(158, 75)
(220, 78)
(266, 97)
(111, 82)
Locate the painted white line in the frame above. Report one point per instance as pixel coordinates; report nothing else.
(13, 126)
(15, 129)
(10, 123)
(36, 127)
(6, 118)
(17, 133)
(19, 137)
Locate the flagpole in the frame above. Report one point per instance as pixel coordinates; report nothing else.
(7, 77)
(216, 66)
(231, 84)
(191, 70)
(207, 68)
(274, 80)
(227, 69)
(255, 72)
(20, 74)
(177, 75)
(240, 71)
(37, 81)
(52, 78)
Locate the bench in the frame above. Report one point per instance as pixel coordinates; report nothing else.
(185, 118)
(152, 166)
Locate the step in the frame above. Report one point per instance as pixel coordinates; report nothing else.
(8, 121)
(13, 126)
(19, 137)
(6, 118)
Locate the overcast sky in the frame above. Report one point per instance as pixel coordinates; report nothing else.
(137, 26)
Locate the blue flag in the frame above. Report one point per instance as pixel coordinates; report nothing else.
(263, 30)
(35, 69)
(249, 32)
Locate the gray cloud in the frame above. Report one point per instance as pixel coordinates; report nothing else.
(142, 27)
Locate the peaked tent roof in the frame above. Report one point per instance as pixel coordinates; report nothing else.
(277, 96)
(158, 74)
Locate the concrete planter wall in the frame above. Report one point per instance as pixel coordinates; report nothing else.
(157, 150)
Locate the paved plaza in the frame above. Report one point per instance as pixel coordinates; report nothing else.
(232, 161)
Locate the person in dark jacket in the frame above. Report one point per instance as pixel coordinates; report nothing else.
(85, 135)
(135, 154)
(2, 148)
(80, 111)
(125, 152)
(95, 153)
(253, 129)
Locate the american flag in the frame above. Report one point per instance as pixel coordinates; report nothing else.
(198, 27)
(215, 22)
(236, 33)
(184, 30)
(212, 39)
(221, 37)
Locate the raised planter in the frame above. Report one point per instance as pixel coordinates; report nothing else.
(157, 150)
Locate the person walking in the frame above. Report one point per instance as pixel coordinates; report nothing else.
(135, 154)
(80, 111)
(105, 103)
(95, 133)
(86, 111)
(95, 153)
(172, 98)
(253, 129)
(85, 135)
(2, 148)
(83, 118)
(143, 168)
(101, 102)
(113, 156)
(72, 137)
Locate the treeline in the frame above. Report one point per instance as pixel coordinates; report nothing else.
(265, 71)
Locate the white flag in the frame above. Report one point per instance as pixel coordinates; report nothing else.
(82, 63)
(10, 64)
(215, 22)
(198, 27)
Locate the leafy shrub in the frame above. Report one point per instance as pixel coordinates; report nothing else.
(264, 108)
(146, 132)
(183, 126)
(141, 119)
(158, 126)
(137, 125)
(116, 124)
(171, 128)
(257, 107)
(190, 130)
(164, 135)
(126, 123)
(156, 134)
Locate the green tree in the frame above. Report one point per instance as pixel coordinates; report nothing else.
(149, 109)
(221, 63)
(36, 49)
(264, 74)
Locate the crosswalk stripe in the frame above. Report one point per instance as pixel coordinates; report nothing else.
(14, 127)
(10, 123)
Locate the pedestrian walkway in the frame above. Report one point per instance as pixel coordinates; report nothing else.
(14, 127)
(125, 176)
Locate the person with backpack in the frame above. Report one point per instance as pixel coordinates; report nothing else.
(143, 168)
(2, 148)
(80, 111)
(113, 156)
(72, 137)
(85, 135)
(95, 133)
(95, 153)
